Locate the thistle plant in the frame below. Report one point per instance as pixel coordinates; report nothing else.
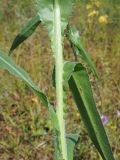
(54, 16)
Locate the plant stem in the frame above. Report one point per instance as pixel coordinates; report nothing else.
(59, 77)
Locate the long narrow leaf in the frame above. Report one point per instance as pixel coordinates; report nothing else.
(81, 89)
(7, 63)
(26, 32)
(79, 83)
(74, 38)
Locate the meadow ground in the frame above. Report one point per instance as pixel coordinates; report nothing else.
(25, 127)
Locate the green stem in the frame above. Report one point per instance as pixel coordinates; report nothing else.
(59, 77)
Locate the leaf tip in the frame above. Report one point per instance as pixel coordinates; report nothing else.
(10, 52)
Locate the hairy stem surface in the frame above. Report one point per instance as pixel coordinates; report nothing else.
(59, 77)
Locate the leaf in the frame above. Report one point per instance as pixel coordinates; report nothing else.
(74, 38)
(7, 63)
(46, 12)
(26, 32)
(71, 142)
(81, 89)
(76, 74)
(57, 155)
(72, 139)
(68, 68)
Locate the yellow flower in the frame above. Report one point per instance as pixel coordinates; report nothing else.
(97, 3)
(34, 99)
(77, 114)
(93, 13)
(88, 6)
(103, 19)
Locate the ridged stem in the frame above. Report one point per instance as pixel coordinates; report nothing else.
(59, 77)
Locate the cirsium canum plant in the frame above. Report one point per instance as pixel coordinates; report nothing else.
(54, 15)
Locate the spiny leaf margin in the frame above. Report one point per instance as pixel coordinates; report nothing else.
(74, 38)
(46, 12)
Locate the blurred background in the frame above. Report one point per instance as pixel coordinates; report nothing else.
(25, 127)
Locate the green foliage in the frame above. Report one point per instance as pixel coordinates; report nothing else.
(72, 140)
(74, 38)
(8, 64)
(46, 12)
(81, 89)
(76, 75)
(54, 15)
(26, 32)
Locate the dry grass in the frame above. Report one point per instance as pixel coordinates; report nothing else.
(25, 128)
